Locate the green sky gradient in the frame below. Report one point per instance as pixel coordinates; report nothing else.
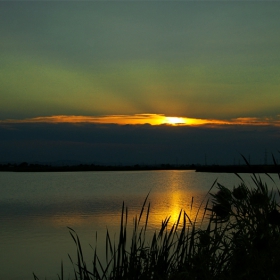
(193, 59)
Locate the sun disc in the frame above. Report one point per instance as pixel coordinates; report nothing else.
(175, 120)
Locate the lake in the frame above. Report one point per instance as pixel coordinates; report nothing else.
(37, 208)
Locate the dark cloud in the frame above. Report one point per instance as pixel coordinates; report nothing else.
(137, 144)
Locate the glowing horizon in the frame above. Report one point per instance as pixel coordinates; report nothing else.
(142, 119)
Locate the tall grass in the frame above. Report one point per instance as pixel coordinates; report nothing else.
(237, 237)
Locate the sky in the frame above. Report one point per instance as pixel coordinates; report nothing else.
(129, 82)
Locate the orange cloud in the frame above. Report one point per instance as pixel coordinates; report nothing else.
(140, 119)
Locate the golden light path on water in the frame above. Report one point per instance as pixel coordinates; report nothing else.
(163, 206)
(167, 204)
(175, 201)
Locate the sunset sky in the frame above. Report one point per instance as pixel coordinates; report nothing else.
(139, 81)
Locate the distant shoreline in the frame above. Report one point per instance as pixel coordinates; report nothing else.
(239, 169)
(25, 167)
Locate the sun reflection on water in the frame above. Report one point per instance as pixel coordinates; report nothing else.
(176, 199)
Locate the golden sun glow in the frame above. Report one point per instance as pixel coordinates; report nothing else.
(141, 119)
(175, 120)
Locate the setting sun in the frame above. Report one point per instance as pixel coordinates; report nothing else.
(175, 120)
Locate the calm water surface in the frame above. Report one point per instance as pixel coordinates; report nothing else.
(37, 208)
